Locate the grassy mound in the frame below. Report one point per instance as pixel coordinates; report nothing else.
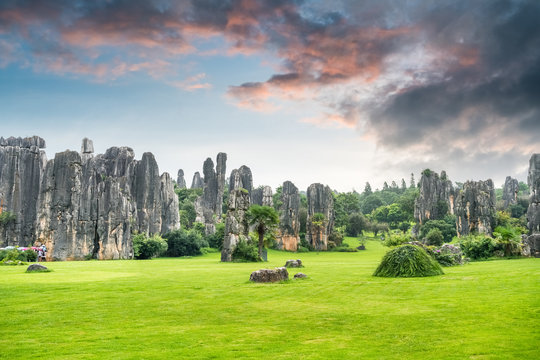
(408, 261)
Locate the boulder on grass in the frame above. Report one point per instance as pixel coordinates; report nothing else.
(36, 268)
(300, 276)
(294, 263)
(269, 275)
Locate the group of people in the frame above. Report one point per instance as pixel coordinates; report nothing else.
(41, 252)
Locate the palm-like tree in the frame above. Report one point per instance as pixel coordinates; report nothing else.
(264, 218)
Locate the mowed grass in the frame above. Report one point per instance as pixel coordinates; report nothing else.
(199, 308)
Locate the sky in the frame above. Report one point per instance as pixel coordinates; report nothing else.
(336, 92)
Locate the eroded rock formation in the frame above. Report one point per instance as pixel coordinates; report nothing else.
(22, 163)
(289, 224)
(436, 197)
(510, 191)
(241, 178)
(180, 180)
(236, 225)
(269, 275)
(262, 196)
(533, 212)
(475, 208)
(209, 205)
(89, 205)
(197, 182)
(319, 227)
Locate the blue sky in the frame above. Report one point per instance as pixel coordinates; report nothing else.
(337, 92)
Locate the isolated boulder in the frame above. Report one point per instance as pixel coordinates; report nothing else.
(269, 275)
(294, 263)
(300, 276)
(36, 268)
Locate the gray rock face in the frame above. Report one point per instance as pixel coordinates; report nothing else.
(475, 208)
(510, 191)
(86, 205)
(22, 165)
(209, 205)
(262, 196)
(197, 182)
(180, 180)
(236, 225)
(533, 180)
(241, 178)
(532, 245)
(320, 201)
(289, 224)
(269, 275)
(436, 196)
(300, 276)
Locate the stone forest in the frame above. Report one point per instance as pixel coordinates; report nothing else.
(81, 205)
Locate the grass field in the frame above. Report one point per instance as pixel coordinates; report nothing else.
(199, 308)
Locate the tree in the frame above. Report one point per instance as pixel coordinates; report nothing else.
(385, 186)
(403, 185)
(264, 218)
(370, 203)
(367, 189)
(357, 224)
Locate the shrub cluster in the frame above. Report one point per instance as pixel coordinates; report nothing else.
(478, 247)
(408, 261)
(145, 247)
(245, 251)
(448, 255)
(184, 243)
(16, 255)
(396, 239)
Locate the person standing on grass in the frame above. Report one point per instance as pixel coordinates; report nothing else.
(44, 251)
(40, 254)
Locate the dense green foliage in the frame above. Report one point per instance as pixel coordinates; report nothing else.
(447, 228)
(18, 255)
(246, 251)
(434, 237)
(7, 217)
(477, 247)
(184, 243)
(145, 247)
(408, 261)
(186, 205)
(264, 219)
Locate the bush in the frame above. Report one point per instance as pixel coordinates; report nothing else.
(29, 255)
(344, 248)
(302, 249)
(448, 255)
(447, 228)
(478, 247)
(246, 251)
(216, 239)
(184, 243)
(147, 248)
(408, 261)
(509, 239)
(434, 237)
(396, 239)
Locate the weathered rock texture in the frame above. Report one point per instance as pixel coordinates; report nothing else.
(90, 205)
(475, 208)
(533, 180)
(269, 275)
(180, 180)
(533, 212)
(209, 205)
(262, 196)
(236, 225)
(241, 178)
(294, 263)
(436, 197)
(289, 224)
(510, 191)
(320, 200)
(197, 182)
(22, 163)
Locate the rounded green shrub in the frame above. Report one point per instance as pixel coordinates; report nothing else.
(408, 261)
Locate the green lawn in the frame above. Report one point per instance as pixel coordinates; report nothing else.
(199, 308)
